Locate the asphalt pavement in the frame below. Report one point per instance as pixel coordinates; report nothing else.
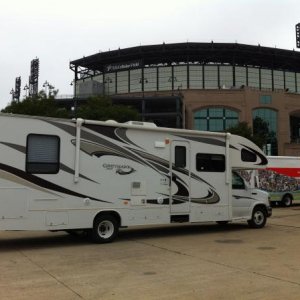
(203, 261)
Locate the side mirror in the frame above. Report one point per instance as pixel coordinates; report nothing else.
(256, 182)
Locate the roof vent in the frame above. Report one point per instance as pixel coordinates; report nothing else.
(111, 122)
(138, 123)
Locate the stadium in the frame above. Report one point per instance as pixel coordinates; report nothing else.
(201, 86)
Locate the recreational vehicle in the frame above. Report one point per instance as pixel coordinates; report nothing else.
(97, 176)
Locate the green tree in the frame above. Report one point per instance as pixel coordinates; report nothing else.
(96, 108)
(242, 129)
(39, 105)
(102, 109)
(259, 134)
(261, 131)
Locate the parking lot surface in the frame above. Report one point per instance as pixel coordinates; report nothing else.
(204, 261)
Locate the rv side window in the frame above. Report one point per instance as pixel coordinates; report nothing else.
(248, 156)
(180, 156)
(210, 162)
(42, 155)
(237, 182)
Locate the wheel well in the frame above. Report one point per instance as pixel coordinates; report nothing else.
(260, 206)
(287, 194)
(109, 213)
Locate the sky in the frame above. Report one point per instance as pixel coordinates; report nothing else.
(59, 31)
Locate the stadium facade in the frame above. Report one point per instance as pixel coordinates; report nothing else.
(202, 86)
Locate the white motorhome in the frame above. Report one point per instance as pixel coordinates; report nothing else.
(99, 176)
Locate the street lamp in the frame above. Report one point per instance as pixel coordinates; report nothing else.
(12, 92)
(45, 85)
(142, 82)
(51, 88)
(73, 83)
(26, 88)
(107, 80)
(74, 107)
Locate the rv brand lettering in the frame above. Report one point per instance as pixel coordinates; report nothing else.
(114, 166)
(120, 169)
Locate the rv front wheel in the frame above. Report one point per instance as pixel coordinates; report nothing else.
(105, 229)
(259, 217)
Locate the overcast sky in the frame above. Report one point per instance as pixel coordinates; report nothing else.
(59, 31)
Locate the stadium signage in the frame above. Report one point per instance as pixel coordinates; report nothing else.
(123, 66)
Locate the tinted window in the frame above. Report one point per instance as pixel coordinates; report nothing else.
(42, 154)
(180, 156)
(215, 119)
(210, 162)
(265, 99)
(237, 182)
(248, 156)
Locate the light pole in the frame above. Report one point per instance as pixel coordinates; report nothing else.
(12, 92)
(142, 82)
(74, 107)
(107, 80)
(45, 85)
(51, 88)
(73, 83)
(26, 88)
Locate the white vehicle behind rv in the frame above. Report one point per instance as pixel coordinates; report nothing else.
(281, 179)
(99, 176)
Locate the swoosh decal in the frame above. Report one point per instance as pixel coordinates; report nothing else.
(122, 172)
(62, 166)
(44, 183)
(263, 160)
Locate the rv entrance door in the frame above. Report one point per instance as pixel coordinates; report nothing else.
(180, 177)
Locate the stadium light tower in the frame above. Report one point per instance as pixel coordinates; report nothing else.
(34, 77)
(26, 88)
(298, 35)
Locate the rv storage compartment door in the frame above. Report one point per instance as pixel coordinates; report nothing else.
(14, 203)
(56, 218)
(138, 193)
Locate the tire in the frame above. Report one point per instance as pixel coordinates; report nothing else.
(286, 201)
(259, 217)
(105, 229)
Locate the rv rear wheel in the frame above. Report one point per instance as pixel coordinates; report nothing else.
(259, 217)
(287, 201)
(105, 229)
